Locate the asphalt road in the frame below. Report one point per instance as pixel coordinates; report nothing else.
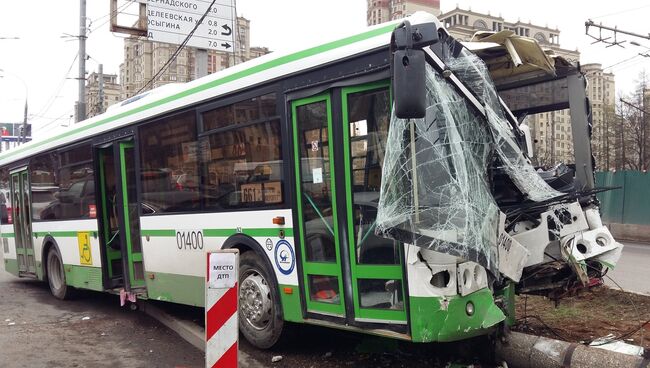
(92, 330)
(37, 330)
(632, 272)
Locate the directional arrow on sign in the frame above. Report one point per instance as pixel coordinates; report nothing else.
(226, 45)
(227, 29)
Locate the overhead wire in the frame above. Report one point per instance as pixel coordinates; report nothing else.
(67, 113)
(50, 101)
(620, 12)
(622, 61)
(178, 49)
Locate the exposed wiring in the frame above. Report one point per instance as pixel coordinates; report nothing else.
(178, 49)
(622, 336)
(546, 326)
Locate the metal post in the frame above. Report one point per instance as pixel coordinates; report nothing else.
(24, 135)
(580, 129)
(100, 92)
(81, 104)
(235, 39)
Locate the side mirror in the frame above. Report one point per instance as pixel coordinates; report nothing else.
(408, 68)
(409, 88)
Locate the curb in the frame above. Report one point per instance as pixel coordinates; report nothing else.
(190, 332)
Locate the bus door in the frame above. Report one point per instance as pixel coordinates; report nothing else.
(22, 218)
(119, 220)
(348, 271)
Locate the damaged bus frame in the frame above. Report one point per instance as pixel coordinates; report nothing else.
(543, 239)
(375, 183)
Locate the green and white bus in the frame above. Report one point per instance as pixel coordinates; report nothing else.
(345, 214)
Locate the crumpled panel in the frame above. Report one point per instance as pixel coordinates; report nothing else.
(434, 191)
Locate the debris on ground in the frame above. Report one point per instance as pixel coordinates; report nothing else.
(610, 343)
(584, 317)
(276, 358)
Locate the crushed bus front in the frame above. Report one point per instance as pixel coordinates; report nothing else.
(478, 218)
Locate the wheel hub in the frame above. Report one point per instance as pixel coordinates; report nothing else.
(255, 302)
(54, 266)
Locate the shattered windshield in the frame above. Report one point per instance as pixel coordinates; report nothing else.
(474, 73)
(436, 192)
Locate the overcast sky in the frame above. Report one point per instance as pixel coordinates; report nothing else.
(41, 58)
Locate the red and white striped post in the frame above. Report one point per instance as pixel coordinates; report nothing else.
(221, 306)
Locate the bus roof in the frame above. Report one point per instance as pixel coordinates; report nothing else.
(263, 69)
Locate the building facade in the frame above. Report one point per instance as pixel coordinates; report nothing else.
(380, 11)
(551, 131)
(601, 91)
(144, 58)
(111, 90)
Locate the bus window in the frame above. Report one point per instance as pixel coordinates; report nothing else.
(62, 185)
(369, 117)
(5, 196)
(170, 164)
(242, 153)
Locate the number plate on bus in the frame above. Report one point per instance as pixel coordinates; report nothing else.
(189, 239)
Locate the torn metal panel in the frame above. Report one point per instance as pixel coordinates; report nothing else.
(522, 55)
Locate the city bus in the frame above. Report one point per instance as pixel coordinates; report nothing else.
(375, 183)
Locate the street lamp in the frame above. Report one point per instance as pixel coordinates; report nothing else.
(24, 130)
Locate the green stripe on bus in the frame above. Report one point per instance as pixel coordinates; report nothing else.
(268, 232)
(62, 234)
(159, 233)
(230, 78)
(8, 235)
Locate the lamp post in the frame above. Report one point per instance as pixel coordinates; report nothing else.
(23, 136)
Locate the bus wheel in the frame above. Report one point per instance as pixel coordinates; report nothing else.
(260, 314)
(56, 275)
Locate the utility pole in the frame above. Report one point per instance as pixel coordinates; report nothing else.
(81, 104)
(100, 92)
(24, 132)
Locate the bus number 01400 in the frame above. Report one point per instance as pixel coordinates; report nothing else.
(189, 239)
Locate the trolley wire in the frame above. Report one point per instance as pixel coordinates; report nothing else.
(50, 101)
(620, 12)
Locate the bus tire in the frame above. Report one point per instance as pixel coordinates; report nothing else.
(260, 312)
(56, 275)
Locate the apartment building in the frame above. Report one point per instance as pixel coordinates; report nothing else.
(99, 98)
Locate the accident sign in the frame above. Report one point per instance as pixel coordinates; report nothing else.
(222, 270)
